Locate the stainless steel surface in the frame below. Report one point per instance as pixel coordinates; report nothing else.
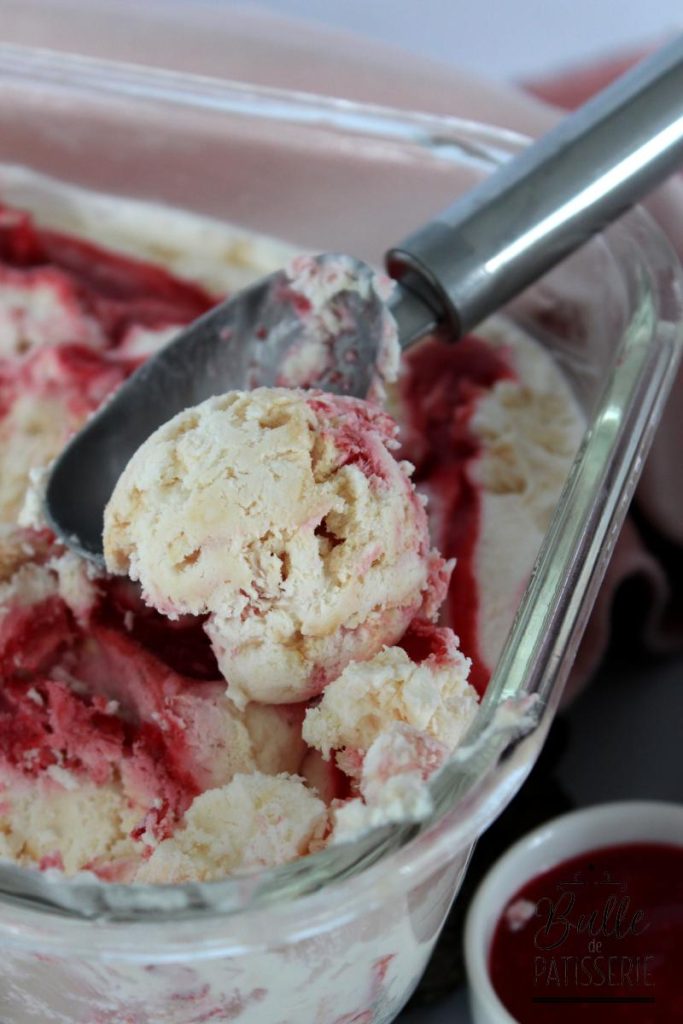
(489, 245)
(414, 315)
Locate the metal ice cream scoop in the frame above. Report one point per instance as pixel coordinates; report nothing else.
(483, 250)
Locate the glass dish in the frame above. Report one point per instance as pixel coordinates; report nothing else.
(341, 937)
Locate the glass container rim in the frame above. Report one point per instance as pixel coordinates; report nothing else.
(39, 66)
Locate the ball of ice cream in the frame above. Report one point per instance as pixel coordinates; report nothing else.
(392, 781)
(367, 699)
(286, 518)
(255, 821)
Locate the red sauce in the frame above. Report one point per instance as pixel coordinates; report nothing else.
(440, 390)
(180, 643)
(602, 940)
(44, 722)
(118, 291)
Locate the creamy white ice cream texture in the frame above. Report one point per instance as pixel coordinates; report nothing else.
(530, 430)
(256, 820)
(286, 518)
(369, 697)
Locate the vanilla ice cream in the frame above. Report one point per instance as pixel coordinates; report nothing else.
(432, 696)
(256, 819)
(286, 518)
(392, 782)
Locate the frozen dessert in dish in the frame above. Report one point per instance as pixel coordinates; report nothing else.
(272, 663)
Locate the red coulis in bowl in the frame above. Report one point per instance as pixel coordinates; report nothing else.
(600, 935)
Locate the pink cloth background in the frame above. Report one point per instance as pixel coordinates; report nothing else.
(244, 43)
(654, 564)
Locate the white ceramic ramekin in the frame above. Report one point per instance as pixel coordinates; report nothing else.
(549, 845)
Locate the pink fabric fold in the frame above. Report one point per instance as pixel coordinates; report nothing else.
(649, 560)
(237, 42)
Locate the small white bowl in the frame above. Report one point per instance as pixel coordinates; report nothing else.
(549, 845)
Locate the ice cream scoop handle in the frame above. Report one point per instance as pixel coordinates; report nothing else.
(542, 205)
